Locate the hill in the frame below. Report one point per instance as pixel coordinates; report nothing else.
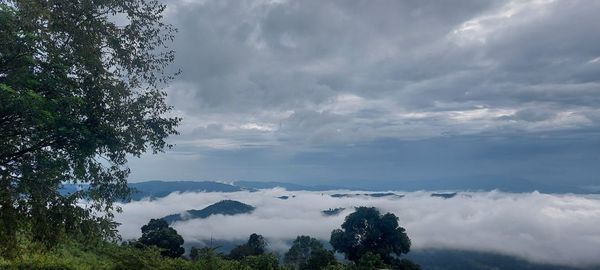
(333, 211)
(225, 207)
(445, 259)
(160, 189)
(374, 195)
(287, 186)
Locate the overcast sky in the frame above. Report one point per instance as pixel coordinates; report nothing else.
(349, 91)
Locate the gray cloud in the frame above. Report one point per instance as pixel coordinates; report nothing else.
(463, 67)
(556, 229)
(273, 80)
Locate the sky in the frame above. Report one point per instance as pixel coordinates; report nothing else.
(541, 228)
(343, 92)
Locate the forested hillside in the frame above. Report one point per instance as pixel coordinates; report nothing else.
(225, 207)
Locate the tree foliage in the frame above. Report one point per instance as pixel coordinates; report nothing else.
(135, 255)
(80, 92)
(308, 253)
(370, 261)
(204, 252)
(367, 231)
(263, 262)
(158, 233)
(256, 245)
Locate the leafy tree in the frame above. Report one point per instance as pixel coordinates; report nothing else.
(158, 233)
(208, 257)
(80, 92)
(308, 253)
(366, 230)
(240, 252)
(255, 246)
(257, 243)
(335, 267)
(262, 261)
(205, 252)
(370, 261)
(319, 259)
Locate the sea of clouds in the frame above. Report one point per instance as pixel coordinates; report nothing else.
(561, 229)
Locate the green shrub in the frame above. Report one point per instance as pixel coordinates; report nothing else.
(262, 262)
(102, 256)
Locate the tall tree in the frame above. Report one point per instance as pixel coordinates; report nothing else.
(158, 233)
(256, 245)
(80, 92)
(308, 253)
(367, 231)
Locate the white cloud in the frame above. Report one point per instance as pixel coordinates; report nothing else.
(258, 127)
(514, 13)
(556, 229)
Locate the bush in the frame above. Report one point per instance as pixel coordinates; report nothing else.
(42, 262)
(107, 256)
(262, 262)
(145, 259)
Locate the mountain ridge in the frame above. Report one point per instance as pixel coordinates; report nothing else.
(224, 207)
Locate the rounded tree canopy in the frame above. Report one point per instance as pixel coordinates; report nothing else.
(158, 233)
(80, 92)
(366, 230)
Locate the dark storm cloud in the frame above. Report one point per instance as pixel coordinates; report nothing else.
(276, 79)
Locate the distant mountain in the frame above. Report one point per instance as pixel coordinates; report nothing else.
(159, 189)
(444, 195)
(333, 211)
(225, 207)
(67, 189)
(473, 183)
(374, 195)
(287, 186)
(444, 259)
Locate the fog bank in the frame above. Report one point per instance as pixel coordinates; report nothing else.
(556, 229)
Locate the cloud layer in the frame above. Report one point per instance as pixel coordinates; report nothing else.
(276, 81)
(318, 73)
(556, 229)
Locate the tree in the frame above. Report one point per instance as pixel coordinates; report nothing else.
(208, 257)
(262, 261)
(80, 92)
(370, 261)
(158, 233)
(308, 253)
(204, 252)
(319, 259)
(367, 231)
(257, 243)
(255, 246)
